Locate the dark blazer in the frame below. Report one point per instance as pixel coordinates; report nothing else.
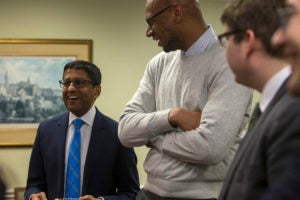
(263, 156)
(110, 168)
(287, 186)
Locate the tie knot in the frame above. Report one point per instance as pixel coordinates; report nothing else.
(255, 115)
(78, 123)
(256, 112)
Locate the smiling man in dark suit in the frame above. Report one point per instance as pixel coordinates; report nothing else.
(262, 157)
(107, 169)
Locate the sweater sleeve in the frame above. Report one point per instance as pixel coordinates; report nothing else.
(223, 121)
(140, 121)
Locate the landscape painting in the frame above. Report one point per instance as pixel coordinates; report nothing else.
(29, 88)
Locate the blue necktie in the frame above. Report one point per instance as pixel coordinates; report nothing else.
(72, 189)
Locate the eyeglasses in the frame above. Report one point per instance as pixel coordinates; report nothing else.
(77, 83)
(286, 13)
(149, 20)
(223, 38)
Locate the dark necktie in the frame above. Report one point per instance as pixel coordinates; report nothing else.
(255, 115)
(72, 189)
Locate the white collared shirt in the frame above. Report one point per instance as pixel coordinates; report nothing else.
(85, 133)
(272, 86)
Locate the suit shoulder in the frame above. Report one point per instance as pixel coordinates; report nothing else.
(111, 121)
(55, 119)
(102, 117)
(286, 111)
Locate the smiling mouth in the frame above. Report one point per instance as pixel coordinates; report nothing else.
(72, 97)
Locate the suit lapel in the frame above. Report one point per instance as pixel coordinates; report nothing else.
(97, 142)
(60, 131)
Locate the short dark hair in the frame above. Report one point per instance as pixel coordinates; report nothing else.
(258, 15)
(91, 69)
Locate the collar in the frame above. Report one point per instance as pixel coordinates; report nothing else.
(272, 86)
(88, 117)
(206, 40)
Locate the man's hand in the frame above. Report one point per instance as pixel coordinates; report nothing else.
(88, 197)
(38, 196)
(184, 119)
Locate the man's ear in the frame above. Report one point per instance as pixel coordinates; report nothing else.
(249, 43)
(97, 92)
(177, 12)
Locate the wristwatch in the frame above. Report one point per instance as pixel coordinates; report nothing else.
(100, 198)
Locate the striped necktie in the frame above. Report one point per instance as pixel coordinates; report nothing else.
(72, 189)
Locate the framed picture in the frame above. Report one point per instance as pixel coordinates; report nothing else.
(29, 91)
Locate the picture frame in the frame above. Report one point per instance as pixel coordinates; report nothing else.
(23, 134)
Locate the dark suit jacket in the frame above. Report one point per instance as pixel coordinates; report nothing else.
(287, 186)
(262, 157)
(110, 168)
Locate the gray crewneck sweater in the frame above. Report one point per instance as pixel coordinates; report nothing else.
(189, 164)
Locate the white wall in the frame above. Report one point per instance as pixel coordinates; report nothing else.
(121, 50)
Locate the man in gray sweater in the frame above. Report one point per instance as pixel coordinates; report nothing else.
(188, 110)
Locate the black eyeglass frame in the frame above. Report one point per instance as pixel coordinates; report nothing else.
(149, 19)
(77, 83)
(226, 34)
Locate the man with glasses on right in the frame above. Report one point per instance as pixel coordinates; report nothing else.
(262, 159)
(287, 37)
